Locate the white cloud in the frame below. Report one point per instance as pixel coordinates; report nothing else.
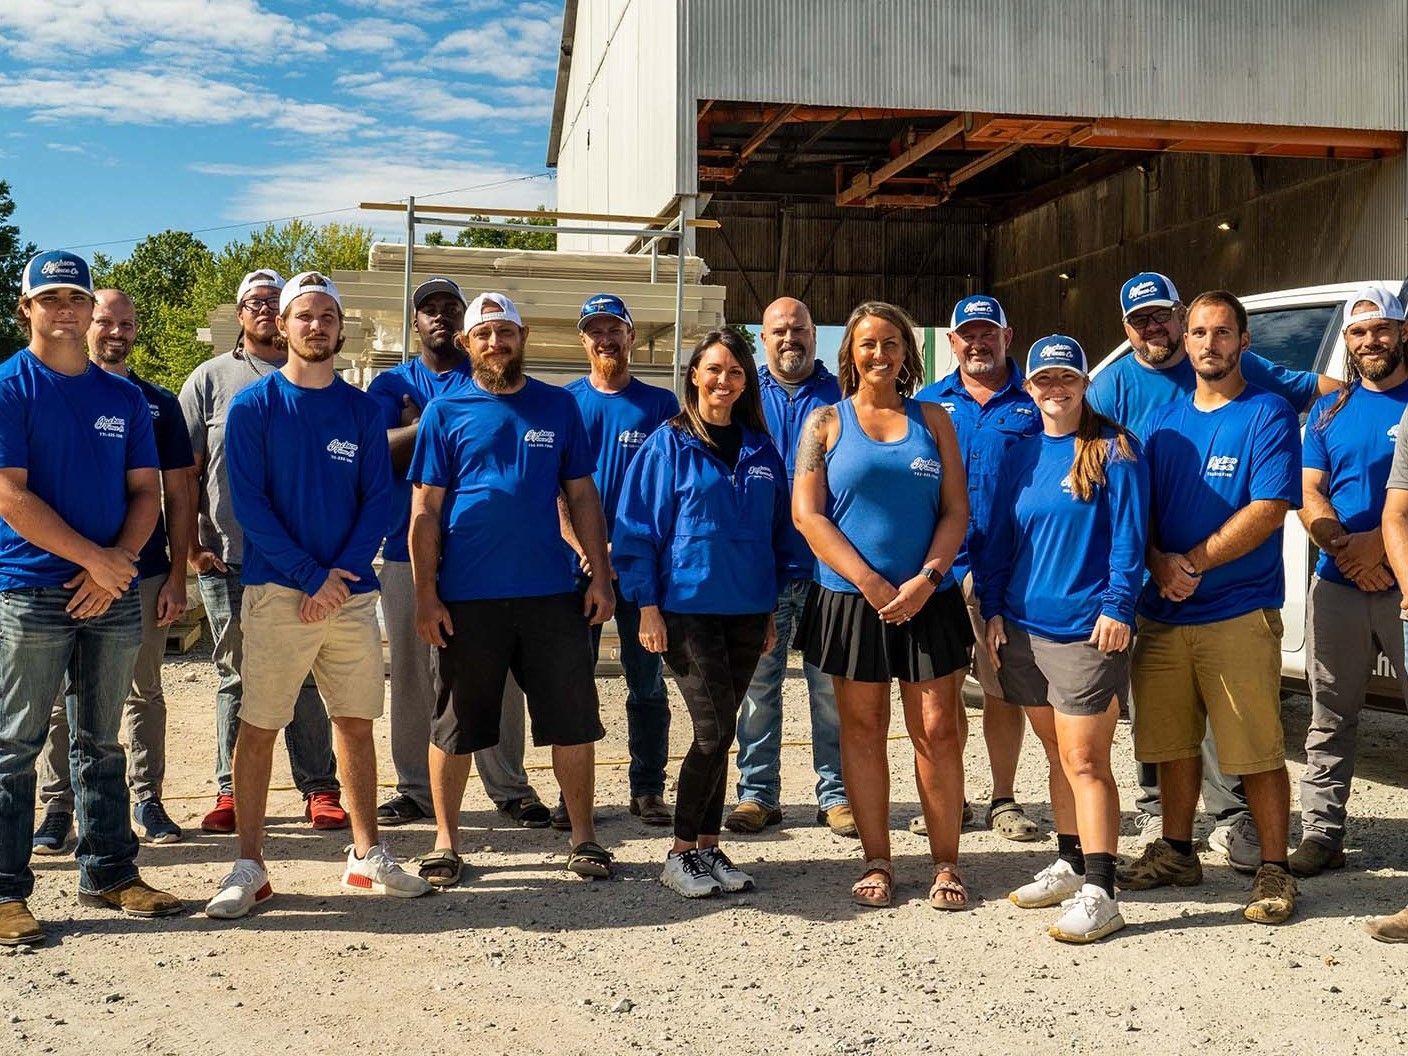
(517, 47)
(430, 99)
(66, 148)
(379, 35)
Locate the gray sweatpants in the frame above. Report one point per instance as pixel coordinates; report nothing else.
(1344, 626)
(143, 720)
(414, 674)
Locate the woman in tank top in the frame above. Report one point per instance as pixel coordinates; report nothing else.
(880, 495)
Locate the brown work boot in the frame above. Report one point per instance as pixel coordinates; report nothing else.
(839, 820)
(1160, 866)
(18, 926)
(135, 898)
(1273, 896)
(1312, 858)
(652, 809)
(750, 817)
(1386, 929)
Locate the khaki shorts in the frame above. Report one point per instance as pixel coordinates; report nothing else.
(343, 652)
(982, 670)
(1227, 674)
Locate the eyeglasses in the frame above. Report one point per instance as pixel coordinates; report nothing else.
(259, 304)
(1148, 319)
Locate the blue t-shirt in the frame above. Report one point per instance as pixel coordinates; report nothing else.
(786, 413)
(883, 496)
(173, 451)
(310, 481)
(1204, 466)
(414, 379)
(1054, 564)
(1355, 451)
(502, 460)
(77, 437)
(617, 423)
(1128, 393)
(985, 432)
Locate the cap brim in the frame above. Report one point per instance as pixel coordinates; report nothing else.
(1001, 324)
(428, 290)
(1152, 302)
(46, 287)
(1058, 366)
(598, 315)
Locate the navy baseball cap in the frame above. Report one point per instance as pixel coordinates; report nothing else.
(437, 284)
(605, 304)
(979, 308)
(56, 270)
(1057, 352)
(1148, 289)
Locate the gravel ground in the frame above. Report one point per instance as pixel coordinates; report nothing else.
(524, 958)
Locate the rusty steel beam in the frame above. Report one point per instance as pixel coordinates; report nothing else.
(866, 184)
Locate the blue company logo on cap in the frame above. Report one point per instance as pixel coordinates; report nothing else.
(1056, 352)
(978, 308)
(56, 270)
(1148, 289)
(605, 304)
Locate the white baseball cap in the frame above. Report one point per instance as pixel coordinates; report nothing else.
(488, 308)
(307, 282)
(258, 278)
(1386, 306)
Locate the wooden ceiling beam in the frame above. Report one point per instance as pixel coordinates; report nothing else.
(867, 183)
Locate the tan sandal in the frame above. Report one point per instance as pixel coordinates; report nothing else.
(875, 887)
(952, 886)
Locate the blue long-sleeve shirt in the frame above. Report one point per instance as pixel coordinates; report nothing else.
(1054, 564)
(985, 432)
(310, 481)
(693, 535)
(786, 414)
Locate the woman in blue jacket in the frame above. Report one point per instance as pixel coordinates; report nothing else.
(701, 534)
(1057, 581)
(880, 495)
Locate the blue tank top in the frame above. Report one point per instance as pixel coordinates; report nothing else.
(884, 497)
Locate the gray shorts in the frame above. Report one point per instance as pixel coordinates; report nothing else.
(1075, 678)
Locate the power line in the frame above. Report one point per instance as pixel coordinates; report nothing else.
(306, 216)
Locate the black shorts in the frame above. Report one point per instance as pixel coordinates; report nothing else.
(842, 635)
(545, 642)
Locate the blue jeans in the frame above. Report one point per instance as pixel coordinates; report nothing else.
(647, 705)
(308, 737)
(39, 644)
(760, 723)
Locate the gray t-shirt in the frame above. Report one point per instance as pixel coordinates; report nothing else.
(1398, 472)
(205, 399)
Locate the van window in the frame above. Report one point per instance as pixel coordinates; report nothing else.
(1291, 336)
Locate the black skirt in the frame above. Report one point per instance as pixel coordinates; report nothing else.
(842, 635)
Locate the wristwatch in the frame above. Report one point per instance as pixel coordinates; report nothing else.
(931, 574)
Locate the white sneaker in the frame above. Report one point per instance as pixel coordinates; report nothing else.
(1054, 884)
(246, 887)
(1089, 916)
(687, 874)
(381, 874)
(731, 878)
(1240, 842)
(1148, 828)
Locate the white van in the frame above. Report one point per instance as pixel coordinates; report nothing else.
(1301, 329)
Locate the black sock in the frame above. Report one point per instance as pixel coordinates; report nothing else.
(1184, 847)
(1100, 871)
(1000, 800)
(1068, 850)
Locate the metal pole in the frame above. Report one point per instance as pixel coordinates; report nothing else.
(406, 297)
(679, 300)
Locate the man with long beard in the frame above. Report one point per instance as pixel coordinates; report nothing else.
(494, 588)
(1354, 602)
(310, 480)
(442, 368)
(161, 587)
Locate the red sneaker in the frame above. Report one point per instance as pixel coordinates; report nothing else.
(222, 818)
(324, 810)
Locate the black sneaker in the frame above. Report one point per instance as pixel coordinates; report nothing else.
(559, 819)
(52, 835)
(156, 823)
(400, 809)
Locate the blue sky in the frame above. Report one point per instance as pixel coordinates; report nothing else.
(120, 118)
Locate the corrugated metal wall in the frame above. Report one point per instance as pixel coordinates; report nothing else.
(1296, 223)
(620, 123)
(835, 258)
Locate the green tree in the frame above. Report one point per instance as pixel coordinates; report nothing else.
(511, 234)
(747, 335)
(14, 254)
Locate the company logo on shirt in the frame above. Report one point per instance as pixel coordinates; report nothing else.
(111, 425)
(1023, 410)
(927, 467)
(631, 438)
(1393, 433)
(952, 408)
(1222, 465)
(540, 438)
(1066, 484)
(761, 472)
(156, 411)
(342, 450)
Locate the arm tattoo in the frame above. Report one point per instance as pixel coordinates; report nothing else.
(811, 448)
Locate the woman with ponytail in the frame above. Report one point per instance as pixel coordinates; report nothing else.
(1057, 582)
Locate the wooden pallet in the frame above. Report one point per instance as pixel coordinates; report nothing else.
(182, 635)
